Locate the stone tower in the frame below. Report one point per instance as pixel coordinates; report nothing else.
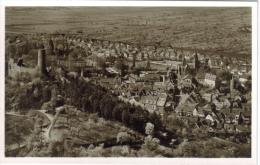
(42, 61)
(196, 61)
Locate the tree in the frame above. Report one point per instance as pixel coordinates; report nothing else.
(106, 106)
(156, 120)
(119, 64)
(225, 75)
(123, 137)
(149, 128)
(117, 111)
(101, 63)
(39, 124)
(23, 100)
(142, 55)
(16, 135)
(51, 46)
(173, 77)
(53, 99)
(151, 143)
(138, 118)
(248, 84)
(125, 117)
(46, 94)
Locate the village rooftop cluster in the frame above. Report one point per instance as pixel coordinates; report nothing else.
(207, 92)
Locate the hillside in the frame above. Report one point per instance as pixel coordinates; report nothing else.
(221, 30)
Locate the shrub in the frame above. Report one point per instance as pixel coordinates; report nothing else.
(151, 143)
(149, 128)
(23, 77)
(123, 137)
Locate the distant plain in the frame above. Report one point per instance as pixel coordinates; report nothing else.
(215, 30)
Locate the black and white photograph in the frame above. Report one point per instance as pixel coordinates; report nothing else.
(128, 81)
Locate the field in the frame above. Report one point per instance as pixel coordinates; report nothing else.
(216, 30)
(17, 129)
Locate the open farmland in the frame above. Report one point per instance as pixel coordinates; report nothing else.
(215, 30)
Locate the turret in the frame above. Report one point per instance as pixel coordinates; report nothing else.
(41, 61)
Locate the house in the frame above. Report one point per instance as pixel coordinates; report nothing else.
(215, 64)
(210, 80)
(229, 117)
(234, 71)
(136, 88)
(207, 96)
(200, 77)
(109, 83)
(246, 117)
(162, 97)
(184, 100)
(242, 129)
(213, 118)
(151, 77)
(150, 103)
(210, 118)
(169, 105)
(91, 61)
(243, 78)
(173, 64)
(133, 78)
(112, 71)
(134, 101)
(197, 112)
(190, 121)
(219, 105)
(186, 81)
(187, 109)
(159, 86)
(230, 128)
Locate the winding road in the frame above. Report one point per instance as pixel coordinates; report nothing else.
(53, 119)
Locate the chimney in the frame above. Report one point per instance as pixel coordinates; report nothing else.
(163, 79)
(41, 61)
(82, 73)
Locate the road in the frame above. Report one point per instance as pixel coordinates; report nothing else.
(51, 118)
(47, 131)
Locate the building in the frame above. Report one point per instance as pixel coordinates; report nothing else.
(161, 102)
(210, 80)
(133, 78)
(243, 78)
(150, 103)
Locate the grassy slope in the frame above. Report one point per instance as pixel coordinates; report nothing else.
(24, 126)
(216, 29)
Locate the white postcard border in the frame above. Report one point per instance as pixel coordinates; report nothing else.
(182, 161)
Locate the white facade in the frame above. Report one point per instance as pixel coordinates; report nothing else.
(210, 80)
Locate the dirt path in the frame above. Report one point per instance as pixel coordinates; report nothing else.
(53, 119)
(15, 114)
(14, 146)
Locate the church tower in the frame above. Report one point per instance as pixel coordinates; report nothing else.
(196, 62)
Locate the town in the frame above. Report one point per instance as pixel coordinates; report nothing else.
(172, 95)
